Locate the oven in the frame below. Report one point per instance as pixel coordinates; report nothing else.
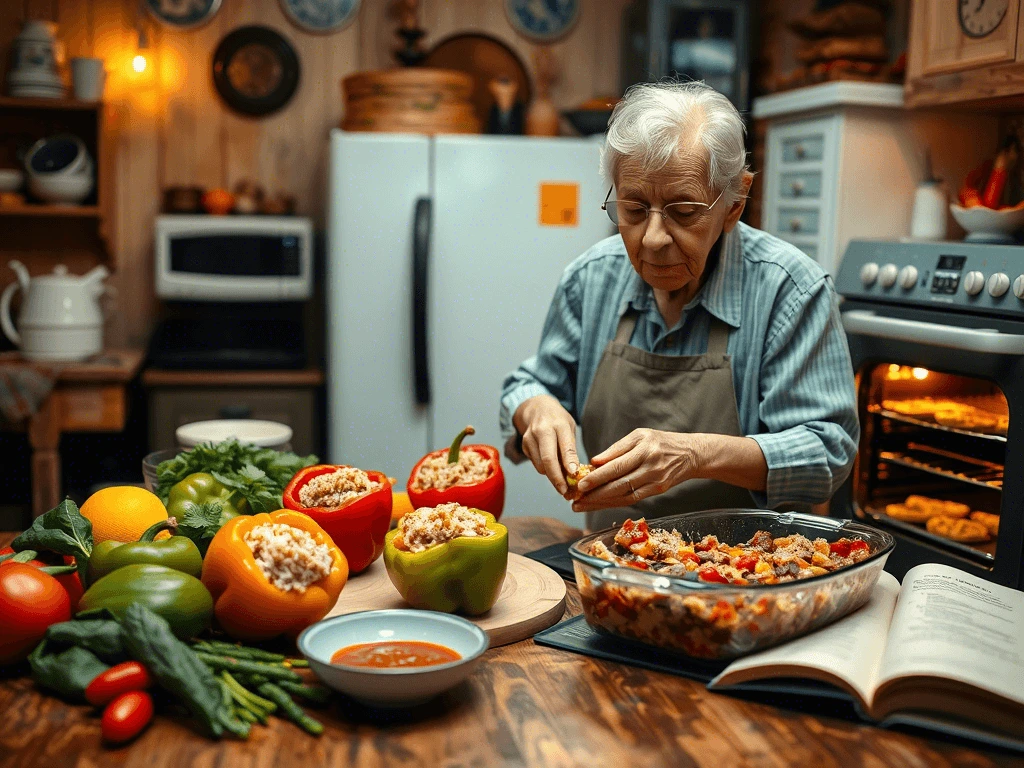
(936, 333)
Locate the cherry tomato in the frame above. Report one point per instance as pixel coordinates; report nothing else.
(30, 601)
(121, 678)
(126, 716)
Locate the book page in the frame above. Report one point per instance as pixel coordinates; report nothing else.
(850, 650)
(951, 624)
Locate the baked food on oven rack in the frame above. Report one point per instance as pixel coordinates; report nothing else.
(990, 521)
(938, 506)
(963, 531)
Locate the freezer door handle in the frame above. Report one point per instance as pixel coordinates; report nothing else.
(420, 262)
(986, 340)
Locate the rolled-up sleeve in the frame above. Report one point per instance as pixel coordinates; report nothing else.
(808, 405)
(553, 370)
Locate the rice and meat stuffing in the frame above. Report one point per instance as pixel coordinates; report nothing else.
(289, 557)
(333, 489)
(427, 527)
(438, 474)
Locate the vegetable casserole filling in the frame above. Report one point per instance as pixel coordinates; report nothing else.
(438, 474)
(428, 527)
(762, 560)
(289, 557)
(333, 489)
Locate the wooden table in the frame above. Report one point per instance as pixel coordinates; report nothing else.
(88, 397)
(525, 705)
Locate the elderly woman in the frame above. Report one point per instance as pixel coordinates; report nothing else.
(704, 359)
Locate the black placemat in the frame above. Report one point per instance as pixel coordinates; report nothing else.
(556, 557)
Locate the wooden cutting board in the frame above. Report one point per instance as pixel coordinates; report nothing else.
(532, 598)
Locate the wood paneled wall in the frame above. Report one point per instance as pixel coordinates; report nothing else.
(171, 127)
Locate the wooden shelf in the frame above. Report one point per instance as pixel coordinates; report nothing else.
(72, 211)
(10, 102)
(307, 377)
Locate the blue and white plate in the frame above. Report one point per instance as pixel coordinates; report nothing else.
(321, 16)
(542, 20)
(183, 14)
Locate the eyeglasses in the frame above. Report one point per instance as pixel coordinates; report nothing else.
(629, 213)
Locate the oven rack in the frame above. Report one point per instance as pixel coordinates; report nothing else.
(903, 418)
(952, 466)
(985, 553)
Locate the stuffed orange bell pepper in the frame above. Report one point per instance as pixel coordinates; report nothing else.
(272, 574)
(469, 475)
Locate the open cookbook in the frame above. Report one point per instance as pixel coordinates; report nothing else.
(944, 652)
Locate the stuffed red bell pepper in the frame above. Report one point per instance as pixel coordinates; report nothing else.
(352, 505)
(469, 475)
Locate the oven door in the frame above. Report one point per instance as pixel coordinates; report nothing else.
(941, 458)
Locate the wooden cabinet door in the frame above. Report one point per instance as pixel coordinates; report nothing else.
(947, 49)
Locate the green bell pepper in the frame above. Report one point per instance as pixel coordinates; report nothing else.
(200, 488)
(180, 598)
(463, 575)
(177, 552)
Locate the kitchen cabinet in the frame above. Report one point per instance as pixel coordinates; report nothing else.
(965, 52)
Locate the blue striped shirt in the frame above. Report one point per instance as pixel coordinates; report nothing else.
(790, 362)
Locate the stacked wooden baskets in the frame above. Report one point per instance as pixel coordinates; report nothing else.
(412, 100)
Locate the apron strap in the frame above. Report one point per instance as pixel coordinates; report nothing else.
(718, 336)
(626, 325)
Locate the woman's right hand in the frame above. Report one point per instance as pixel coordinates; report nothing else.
(549, 438)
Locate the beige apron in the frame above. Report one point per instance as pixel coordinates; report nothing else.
(634, 389)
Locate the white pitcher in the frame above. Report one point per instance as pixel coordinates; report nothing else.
(60, 317)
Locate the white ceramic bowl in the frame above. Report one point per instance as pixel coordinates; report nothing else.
(61, 189)
(265, 434)
(10, 179)
(985, 225)
(393, 687)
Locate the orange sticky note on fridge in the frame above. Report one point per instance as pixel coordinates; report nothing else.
(559, 204)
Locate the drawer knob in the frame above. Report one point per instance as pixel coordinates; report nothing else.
(800, 151)
(797, 187)
(794, 225)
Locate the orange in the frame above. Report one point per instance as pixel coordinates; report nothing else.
(122, 513)
(400, 505)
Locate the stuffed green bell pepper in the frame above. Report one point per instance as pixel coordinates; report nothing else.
(448, 558)
(177, 552)
(201, 490)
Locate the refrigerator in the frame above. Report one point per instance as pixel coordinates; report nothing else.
(443, 256)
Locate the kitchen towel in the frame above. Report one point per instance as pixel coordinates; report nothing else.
(24, 386)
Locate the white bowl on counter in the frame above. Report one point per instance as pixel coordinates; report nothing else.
(986, 225)
(259, 432)
(393, 687)
(61, 189)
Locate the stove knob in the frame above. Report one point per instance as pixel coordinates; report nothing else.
(908, 278)
(868, 274)
(887, 275)
(1018, 287)
(998, 285)
(973, 283)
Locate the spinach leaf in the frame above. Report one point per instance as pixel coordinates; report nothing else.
(62, 530)
(102, 637)
(68, 672)
(149, 640)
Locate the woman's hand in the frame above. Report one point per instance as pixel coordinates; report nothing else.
(549, 438)
(644, 463)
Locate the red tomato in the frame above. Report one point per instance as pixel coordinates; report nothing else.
(710, 573)
(30, 601)
(747, 563)
(10, 551)
(121, 678)
(844, 546)
(70, 581)
(126, 716)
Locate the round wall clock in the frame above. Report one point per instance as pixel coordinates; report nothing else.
(255, 70)
(542, 20)
(183, 14)
(979, 18)
(321, 16)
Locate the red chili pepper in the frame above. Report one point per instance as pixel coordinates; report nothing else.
(747, 563)
(1005, 162)
(70, 581)
(126, 716)
(120, 678)
(636, 533)
(487, 495)
(358, 526)
(844, 546)
(710, 573)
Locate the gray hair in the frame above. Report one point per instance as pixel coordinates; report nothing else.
(652, 118)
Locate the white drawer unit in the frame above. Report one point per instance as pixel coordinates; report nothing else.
(842, 161)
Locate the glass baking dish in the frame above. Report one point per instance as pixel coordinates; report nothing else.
(723, 621)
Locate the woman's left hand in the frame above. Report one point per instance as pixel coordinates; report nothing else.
(644, 463)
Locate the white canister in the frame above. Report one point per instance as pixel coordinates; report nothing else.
(931, 204)
(88, 78)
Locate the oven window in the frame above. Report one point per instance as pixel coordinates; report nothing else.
(932, 456)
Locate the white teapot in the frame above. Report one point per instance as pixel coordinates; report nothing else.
(60, 318)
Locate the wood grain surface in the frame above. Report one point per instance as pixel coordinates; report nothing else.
(532, 598)
(525, 705)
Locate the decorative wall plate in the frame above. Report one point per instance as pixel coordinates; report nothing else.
(542, 20)
(183, 14)
(321, 16)
(255, 70)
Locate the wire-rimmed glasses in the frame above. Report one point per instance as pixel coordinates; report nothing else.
(630, 213)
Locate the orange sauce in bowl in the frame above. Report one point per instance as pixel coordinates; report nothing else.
(394, 654)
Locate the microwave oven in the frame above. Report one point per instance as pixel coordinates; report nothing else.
(234, 258)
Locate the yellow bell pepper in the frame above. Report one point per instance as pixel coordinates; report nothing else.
(246, 605)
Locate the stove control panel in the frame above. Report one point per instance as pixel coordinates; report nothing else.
(988, 278)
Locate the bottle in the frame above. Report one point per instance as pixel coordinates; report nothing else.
(931, 204)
